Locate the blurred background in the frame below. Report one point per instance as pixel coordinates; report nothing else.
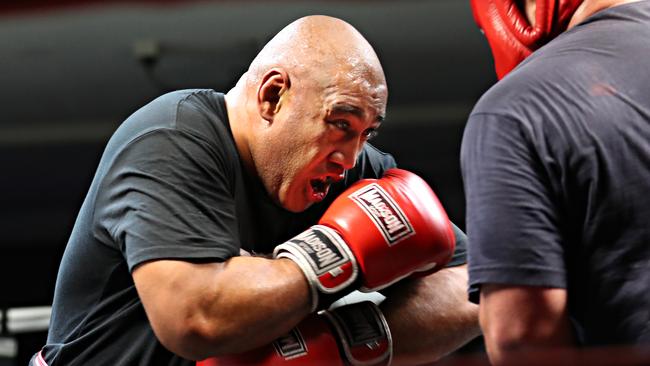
(72, 71)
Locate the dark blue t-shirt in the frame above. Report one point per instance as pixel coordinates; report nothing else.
(556, 167)
(169, 185)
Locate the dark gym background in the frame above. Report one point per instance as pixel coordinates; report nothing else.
(71, 71)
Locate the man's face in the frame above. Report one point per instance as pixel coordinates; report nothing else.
(317, 135)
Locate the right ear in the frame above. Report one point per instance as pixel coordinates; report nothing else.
(274, 85)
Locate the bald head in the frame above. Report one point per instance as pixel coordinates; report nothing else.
(319, 47)
(306, 106)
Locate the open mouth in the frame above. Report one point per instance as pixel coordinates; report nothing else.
(320, 186)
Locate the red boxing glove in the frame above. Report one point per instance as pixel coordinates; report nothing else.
(509, 33)
(384, 228)
(355, 334)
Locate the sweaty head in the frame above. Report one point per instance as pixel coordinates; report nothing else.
(318, 44)
(511, 36)
(319, 92)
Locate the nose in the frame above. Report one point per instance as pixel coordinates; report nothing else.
(345, 155)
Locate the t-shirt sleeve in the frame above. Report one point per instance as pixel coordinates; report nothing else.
(512, 220)
(166, 195)
(460, 251)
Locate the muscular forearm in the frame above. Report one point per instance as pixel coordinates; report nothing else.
(223, 308)
(258, 300)
(434, 308)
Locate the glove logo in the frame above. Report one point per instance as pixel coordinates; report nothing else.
(384, 213)
(323, 251)
(291, 345)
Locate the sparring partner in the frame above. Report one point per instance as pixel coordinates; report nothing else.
(279, 168)
(556, 167)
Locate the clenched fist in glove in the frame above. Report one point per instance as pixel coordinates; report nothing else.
(375, 233)
(355, 334)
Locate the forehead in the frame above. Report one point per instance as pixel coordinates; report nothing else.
(359, 96)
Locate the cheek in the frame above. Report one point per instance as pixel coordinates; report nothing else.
(305, 141)
(300, 144)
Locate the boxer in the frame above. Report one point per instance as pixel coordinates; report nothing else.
(152, 274)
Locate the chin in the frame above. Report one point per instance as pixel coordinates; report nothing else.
(295, 205)
(296, 208)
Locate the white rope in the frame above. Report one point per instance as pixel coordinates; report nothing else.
(28, 319)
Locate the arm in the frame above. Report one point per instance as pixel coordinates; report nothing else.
(167, 205)
(354, 334)
(352, 241)
(542, 320)
(515, 220)
(435, 308)
(200, 310)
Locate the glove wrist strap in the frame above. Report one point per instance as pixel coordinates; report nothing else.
(325, 259)
(363, 333)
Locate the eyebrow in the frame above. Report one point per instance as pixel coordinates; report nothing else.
(354, 110)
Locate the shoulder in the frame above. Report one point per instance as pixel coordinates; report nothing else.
(167, 103)
(173, 109)
(200, 113)
(191, 120)
(538, 94)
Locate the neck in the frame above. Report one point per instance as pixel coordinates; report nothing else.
(591, 7)
(237, 109)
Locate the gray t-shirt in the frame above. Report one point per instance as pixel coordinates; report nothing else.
(169, 185)
(556, 166)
